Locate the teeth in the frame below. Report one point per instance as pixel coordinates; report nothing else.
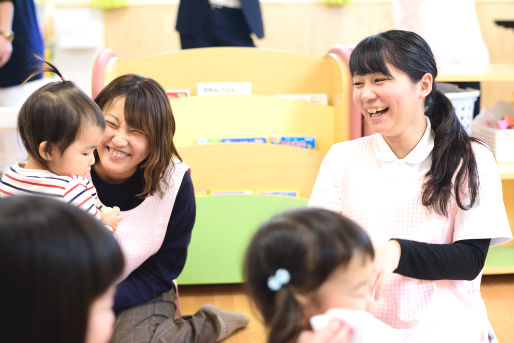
(375, 110)
(118, 154)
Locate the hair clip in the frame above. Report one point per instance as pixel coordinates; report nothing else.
(279, 279)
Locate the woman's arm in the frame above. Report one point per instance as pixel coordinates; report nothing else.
(462, 260)
(154, 276)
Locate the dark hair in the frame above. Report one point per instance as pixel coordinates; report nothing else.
(310, 244)
(56, 260)
(452, 154)
(147, 108)
(55, 113)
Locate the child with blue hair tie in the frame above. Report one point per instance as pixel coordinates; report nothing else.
(310, 273)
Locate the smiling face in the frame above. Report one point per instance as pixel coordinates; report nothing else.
(392, 105)
(122, 148)
(78, 157)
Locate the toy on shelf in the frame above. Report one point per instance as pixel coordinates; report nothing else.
(507, 122)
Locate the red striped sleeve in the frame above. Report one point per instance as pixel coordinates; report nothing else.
(5, 192)
(34, 183)
(85, 200)
(72, 188)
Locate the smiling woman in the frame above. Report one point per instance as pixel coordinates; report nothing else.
(415, 187)
(139, 169)
(123, 147)
(393, 106)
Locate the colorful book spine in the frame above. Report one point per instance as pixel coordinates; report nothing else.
(279, 193)
(230, 192)
(245, 140)
(177, 93)
(305, 142)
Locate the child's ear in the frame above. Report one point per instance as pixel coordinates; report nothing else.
(45, 150)
(304, 300)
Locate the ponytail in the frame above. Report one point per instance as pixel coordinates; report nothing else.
(452, 151)
(45, 67)
(285, 322)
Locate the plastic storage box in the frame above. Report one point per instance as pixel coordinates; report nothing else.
(463, 101)
(484, 128)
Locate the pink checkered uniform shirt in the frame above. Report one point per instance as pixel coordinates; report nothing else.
(142, 229)
(365, 181)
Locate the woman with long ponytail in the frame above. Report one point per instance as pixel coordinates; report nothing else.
(428, 194)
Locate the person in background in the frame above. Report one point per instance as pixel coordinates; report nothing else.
(208, 23)
(58, 268)
(139, 169)
(455, 39)
(20, 42)
(429, 195)
(60, 127)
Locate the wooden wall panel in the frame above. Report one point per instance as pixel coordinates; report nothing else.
(309, 28)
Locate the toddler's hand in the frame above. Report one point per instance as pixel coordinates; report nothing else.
(111, 216)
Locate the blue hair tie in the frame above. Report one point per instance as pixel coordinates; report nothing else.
(279, 279)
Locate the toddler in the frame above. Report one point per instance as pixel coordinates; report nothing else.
(60, 127)
(308, 266)
(59, 268)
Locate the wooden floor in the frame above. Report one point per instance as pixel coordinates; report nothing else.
(497, 291)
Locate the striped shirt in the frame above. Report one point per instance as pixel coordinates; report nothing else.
(74, 190)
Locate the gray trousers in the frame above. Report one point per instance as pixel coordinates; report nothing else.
(155, 322)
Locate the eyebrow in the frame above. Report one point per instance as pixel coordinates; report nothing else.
(115, 118)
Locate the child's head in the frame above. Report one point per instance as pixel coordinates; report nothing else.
(57, 266)
(138, 114)
(304, 262)
(60, 127)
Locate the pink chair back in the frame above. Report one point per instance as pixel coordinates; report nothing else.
(99, 67)
(358, 126)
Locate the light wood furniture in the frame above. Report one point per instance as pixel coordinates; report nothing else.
(226, 223)
(462, 73)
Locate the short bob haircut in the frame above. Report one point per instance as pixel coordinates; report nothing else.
(55, 113)
(55, 261)
(310, 243)
(147, 108)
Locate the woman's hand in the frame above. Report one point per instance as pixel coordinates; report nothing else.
(335, 332)
(387, 258)
(5, 51)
